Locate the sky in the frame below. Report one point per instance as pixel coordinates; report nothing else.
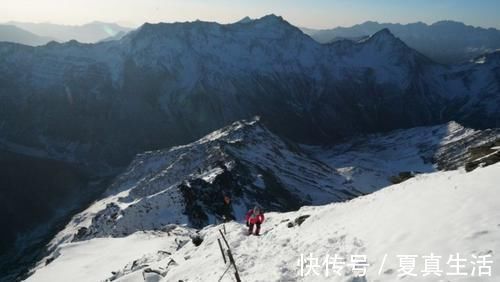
(303, 13)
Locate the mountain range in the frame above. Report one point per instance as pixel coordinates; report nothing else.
(461, 43)
(88, 33)
(446, 42)
(86, 111)
(168, 84)
(11, 33)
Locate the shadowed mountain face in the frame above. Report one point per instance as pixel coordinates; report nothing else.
(28, 200)
(36, 198)
(445, 41)
(166, 84)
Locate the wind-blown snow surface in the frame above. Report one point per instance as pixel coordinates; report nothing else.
(443, 213)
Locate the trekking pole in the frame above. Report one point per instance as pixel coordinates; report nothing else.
(231, 258)
(224, 238)
(222, 251)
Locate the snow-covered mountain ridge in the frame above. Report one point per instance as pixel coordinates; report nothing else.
(170, 84)
(185, 185)
(455, 211)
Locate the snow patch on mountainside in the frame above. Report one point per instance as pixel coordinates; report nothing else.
(368, 163)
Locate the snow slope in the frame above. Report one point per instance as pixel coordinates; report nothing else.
(441, 213)
(367, 163)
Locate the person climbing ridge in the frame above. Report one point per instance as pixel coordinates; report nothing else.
(227, 209)
(254, 217)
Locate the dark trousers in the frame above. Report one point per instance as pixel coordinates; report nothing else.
(257, 229)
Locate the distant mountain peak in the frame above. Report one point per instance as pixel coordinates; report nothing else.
(246, 19)
(272, 17)
(383, 36)
(383, 33)
(370, 23)
(384, 39)
(449, 23)
(273, 20)
(100, 23)
(12, 33)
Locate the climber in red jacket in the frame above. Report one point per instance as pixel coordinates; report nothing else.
(255, 217)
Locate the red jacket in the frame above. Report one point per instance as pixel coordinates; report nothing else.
(254, 218)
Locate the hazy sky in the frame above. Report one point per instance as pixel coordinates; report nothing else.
(307, 13)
